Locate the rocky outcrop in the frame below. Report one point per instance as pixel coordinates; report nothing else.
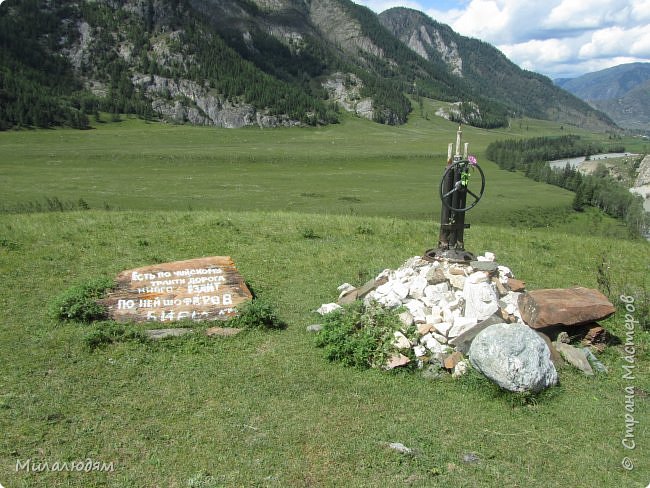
(468, 114)
(345, 90)
(425, 41)
(342, 29)
(424, 36)
(183, 101)
(78, 53)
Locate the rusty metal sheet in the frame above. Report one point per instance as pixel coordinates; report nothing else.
(207, 288)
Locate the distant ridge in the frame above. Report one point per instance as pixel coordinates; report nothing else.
(622, 92)
(235, 63)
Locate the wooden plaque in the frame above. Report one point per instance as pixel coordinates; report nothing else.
(197, 289)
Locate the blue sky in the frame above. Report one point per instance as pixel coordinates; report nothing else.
(558, 38)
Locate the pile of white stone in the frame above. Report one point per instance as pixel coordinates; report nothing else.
(447, 302)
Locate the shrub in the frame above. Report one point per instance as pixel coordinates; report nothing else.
(257, 314)
(360, 335)
(309, 233)
(79, 302)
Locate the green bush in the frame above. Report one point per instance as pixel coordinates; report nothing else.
(79, 302)
(257, 314)
(360, 335)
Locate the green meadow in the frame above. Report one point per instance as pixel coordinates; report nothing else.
(300, 211)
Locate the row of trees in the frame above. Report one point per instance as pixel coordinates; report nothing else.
(517, 154)
(598, 190)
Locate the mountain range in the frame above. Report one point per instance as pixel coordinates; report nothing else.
(622, 92)
(233, 63)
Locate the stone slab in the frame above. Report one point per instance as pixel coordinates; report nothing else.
(489, 266)
(157, 334)
(207, 288)
(568, 307)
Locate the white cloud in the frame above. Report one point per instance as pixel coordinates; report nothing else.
(617, 41)
(592, 14)
(641, 10)
(538, 51)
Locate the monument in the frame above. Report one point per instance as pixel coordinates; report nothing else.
(207, 288)
(458, 181)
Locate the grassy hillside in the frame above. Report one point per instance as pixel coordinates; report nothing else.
(352, 168)
(300, 211)
(265, 409)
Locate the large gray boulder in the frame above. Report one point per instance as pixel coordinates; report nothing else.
(514, 357)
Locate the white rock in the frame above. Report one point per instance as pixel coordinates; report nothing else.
(344, 289)
(461, 324)
(489, 256)
(460, 369)
(384, 289)
(432, 344)
(369, 298)
(401, 448)
(391, 300)
(404, 274)
(512, 304)
(400, 289)
(441, 287)
(450, 301)
(439, 337)
(406, 318)
(401, 341)
(449, 315)
(430, 302)
(482, 258)
(420, 351)
(505, 271)
(425, 269)
(443, 327)
(414, 262)
(328, 308)
(433, 319)
(384, 274)
(478, 277)
(481, 300)
(414, 306)
(417, 286)
(457, 281)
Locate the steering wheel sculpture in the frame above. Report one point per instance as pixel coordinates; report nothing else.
(459, 192)
(460, 187)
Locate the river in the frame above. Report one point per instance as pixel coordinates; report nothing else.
(575, 162)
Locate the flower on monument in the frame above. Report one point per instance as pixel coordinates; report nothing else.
(472, 160)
